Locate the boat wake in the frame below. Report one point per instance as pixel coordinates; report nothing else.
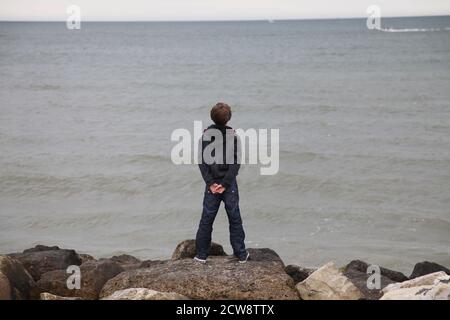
(415, 29)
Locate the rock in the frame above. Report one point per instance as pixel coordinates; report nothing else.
(5, 288)
(426, 267)
(356, 271)
(359, 279)
(220, 278)
(298, 274)
(435, 286)
(126, 261)
(85, 257)
(49, 296)
(186, 249)
(94, 275)
(265, 254)
(328, 283)
(55, 282)
(144, 294)
(16, 278)
(438, 292)
(40, 248)
(362, 266)
(425, 280)
(39, 260)
(150, 263)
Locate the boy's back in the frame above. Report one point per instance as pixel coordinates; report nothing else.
(227, 168)
(219, 167)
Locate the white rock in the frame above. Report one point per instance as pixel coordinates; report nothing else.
(440, 291)
(328, 283)
(49, 296)
(144, 294)
(425, 280)
(433, 286)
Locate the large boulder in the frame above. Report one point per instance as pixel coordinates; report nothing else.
(425, 280)
(85, 257)
(222, 277)
(362, 266)
(439, 291)
(40, 247)
(328, 283)
(15, 281)
(126, 261)
(42, 259)
(297, 273)
(360, 280)
(427, 267)
(435, 286)
(357, 270)
(265, 254)
(186, 249)
(144, 294)
(94, 275)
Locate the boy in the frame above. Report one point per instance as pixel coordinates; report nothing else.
(220, 174)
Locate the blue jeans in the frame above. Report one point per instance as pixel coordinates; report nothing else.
(211, 204)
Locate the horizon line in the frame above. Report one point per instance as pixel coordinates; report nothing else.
(241, 20)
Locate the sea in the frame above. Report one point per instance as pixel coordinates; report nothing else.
(86, 118)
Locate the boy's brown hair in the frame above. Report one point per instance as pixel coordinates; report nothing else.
(221, 114)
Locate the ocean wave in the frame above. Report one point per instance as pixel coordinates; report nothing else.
(46, 185)
(414, 29)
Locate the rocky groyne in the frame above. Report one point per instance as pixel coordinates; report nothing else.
(49, 273)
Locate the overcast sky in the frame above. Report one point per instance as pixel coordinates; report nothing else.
(215, 9)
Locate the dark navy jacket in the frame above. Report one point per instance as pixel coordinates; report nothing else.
(223, 173)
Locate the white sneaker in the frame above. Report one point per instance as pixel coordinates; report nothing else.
(199, 260)
(246, 258)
